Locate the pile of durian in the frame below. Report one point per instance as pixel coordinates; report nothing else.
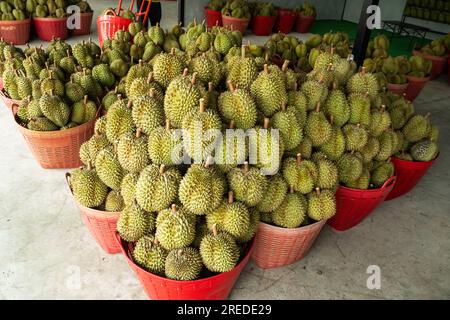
(13, 10)
(53, 8)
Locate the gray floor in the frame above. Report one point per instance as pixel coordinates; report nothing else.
(47, 253)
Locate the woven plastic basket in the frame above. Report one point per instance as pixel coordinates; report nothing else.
(285, 20)
(48, 29)
(109, 23)
(216, 287)
(235, 23)
(415, 86)
(16, 32)
(354, 205)
(56, 149)
(276, 247)
(7, 100)
(85, 24)
(304, 23)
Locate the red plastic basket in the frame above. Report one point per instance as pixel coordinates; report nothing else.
(7, 100)
(304, 23)
(438, 63)
(48, 29)
(263, 25)
(353, 205)
(408, 174)
(415, 86)
(85, 24)
(217, 287)
(276, 247)
(15, 32)
(108, 25)
(213, 17)
(399, 89)
(285, 20)
(235, 23)
(1, 85)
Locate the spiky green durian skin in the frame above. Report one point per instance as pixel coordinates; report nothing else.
(381, 174)
(359, 109)
(175, 229)
(380, 122)
(156, 191)
(34, 110)
(108, 168)
(132, 152)
(238, 106)
(219, 253)
(166, 67)
(315, 92)
(337, 107)
(100, 125)
(269, 91)
(41, 124)
(424, 150)
(201, 189)
(200, 126)
(149, 255)
(243, 73)
(55, 109)
(416, 128)
(182, 97)
(135, 222)
(233, 218)
(335, 147)
(349, 167)
(114, 201)
(147, 113)
(301, 177)
(266, 149)
(355, 137)
(433, 132)
(327, 177)
(248, 187)
(231, 150)
(183, 264)
(128, 188)
(363, 83)
(274, 194)
(119, 121)
(321, 206)
(362, 182)
(290, 130)
(291, 213)
(255, 217)
(87, 188)
(318, 129)
(163, 146)
(370, 150)
(387, 144)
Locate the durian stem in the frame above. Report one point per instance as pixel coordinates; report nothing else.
(172, 51)
(162, 169)
(231, 126)
(318, 190)
(130, 104)
(283, 106)
(174, 208)
(202, 105)
(363, 70)
(231, 86)
(427, 115)
(246, 167)
(266, 68)
(383, 108)
(299, 158)
(230, 197)
(89, 165)
(138, 132)
(194, 78)
(152, 92)
(332, 50)
(266, 123)
(85, 99)
(243, 51)
(214, 229)
(284, 68)
(68, 53)
(291, 189)
(318, 107)
(210, 87)
(331, 119)
(208, 161)
(167, 125)
(150, 77)
(185, 72)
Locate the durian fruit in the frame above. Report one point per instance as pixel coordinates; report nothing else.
(41, 124)
(243, 71)
(150, 255)
(166, 67)
(108, 168)
(336, 106)
(182, 97)
(237, 105)
(231, 216)
(363, 83)
(292, 211)
(300, 174)
(90, 148)
(119, 120)
(142, 86)
(424, 150)
(416, 128)
(175, 228)
(350, 167)
(255, 218)
(327, 174)
(132, 151)
(231, 149)
(274, 195)
(83, 111)
(356, 137)
(200, 132)
(103, 75)
(362, 182)
(359, 109)
(219, 251)
(147, 113)
(400, 111)
(74, 91)
(87, 187)
(269, 90)
(370, 150)
(134, 223)
(128, 188)
(381, 173)
(55, 109)
(183, 264)
(286, 121)
(321, 204)
(114, 201)
(157, 187)
(202, 188)
(165, 146)
(335, 147)
(248, 184)
(317, 128)
(315, 91)
(388, 142)
(156, 34)
(380, 121)
(207, 69)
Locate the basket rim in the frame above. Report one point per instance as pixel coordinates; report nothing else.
(234, 19)
(126, 252)
(14, 22)
(387, 184)
(398, 85)
(292, 230)
(417, 162)
(49, 19)
(95, 212)
(415, 78)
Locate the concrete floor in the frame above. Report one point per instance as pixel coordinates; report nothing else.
(47, 253)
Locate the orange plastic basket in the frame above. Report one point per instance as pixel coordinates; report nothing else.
(48, 29)
(15, 32)
(56, 149)
(216, 287)
(85, 24)
(276, 247)
(7, 100)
